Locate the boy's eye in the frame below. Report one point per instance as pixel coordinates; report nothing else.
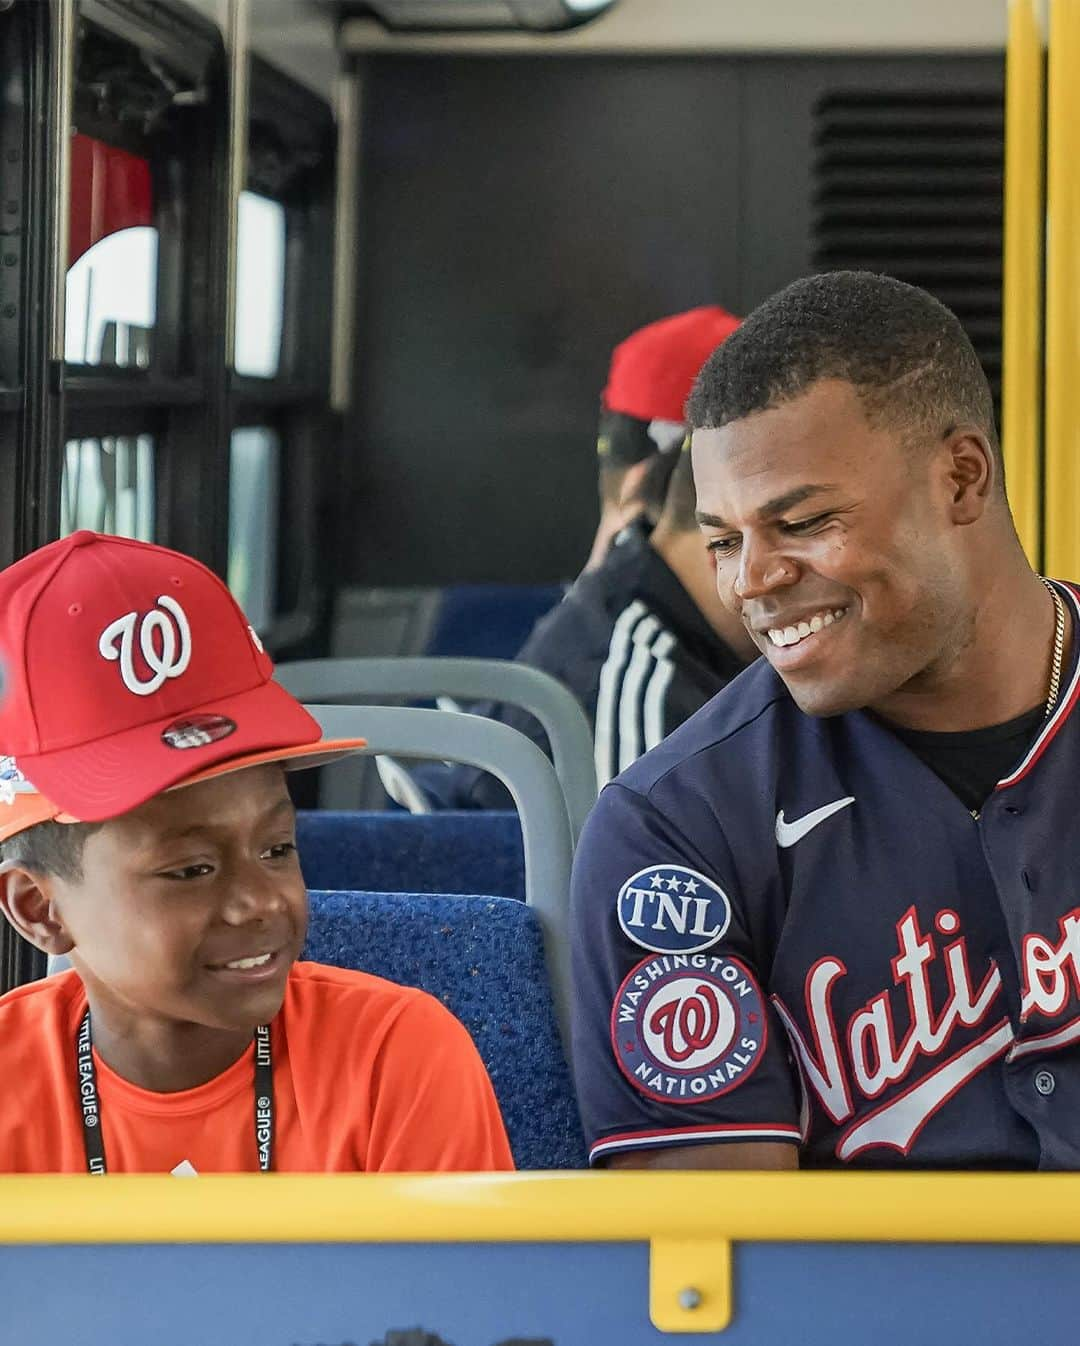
(282, 851)
(188, 872)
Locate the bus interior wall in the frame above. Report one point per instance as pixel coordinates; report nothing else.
(517, 217)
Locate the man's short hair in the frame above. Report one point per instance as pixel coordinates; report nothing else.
(49, 848)
(906, 355)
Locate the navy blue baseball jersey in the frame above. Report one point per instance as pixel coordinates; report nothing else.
(788, 928)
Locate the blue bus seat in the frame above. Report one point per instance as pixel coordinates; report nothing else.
(415, 853)
(489, 621)
(483, 957)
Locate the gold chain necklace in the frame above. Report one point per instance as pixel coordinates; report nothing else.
(1059, 646)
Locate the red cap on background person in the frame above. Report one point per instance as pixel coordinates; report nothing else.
(127, 669)
(653, 370)
(641, 414)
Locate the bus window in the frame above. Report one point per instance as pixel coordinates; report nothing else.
(254, 473)
(108, 486)
(112, 277)
(281, 438)
(260, 285)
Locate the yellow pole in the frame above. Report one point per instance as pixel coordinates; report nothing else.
(1062, 493)
(1022, 357)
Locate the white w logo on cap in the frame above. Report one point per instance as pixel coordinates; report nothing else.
(172, 633)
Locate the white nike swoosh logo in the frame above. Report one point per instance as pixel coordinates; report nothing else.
(787, 834)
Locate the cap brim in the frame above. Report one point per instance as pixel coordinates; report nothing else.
(96, 781)
(322, 753)
(625, 439)
(25, 811)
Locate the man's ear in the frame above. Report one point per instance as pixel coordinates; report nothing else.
(971, 472)
(28, 905)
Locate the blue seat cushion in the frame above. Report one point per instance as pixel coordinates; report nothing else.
(483, 958)
(415, 853)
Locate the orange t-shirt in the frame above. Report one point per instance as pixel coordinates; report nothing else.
(369, 1077)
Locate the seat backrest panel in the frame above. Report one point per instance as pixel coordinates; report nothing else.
(483, 957)
(403, 852)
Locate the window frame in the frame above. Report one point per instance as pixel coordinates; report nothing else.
(294, 402)
(180, 398)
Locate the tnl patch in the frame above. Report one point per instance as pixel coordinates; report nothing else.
(672, 909)
(688, 1027)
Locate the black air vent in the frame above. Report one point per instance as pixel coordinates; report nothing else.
(911, 184)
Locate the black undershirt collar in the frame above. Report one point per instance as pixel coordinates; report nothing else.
(973, 761)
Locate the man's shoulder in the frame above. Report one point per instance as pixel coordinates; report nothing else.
(735, 727)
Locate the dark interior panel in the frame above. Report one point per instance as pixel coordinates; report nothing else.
(518, 217)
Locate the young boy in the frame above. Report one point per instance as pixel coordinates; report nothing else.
(146, 832)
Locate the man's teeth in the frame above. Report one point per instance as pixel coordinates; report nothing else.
(791, 635)
(243, 963)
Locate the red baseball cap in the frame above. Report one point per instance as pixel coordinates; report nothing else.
(126, 670)
(653, 370)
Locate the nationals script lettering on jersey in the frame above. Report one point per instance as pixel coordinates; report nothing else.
(877, 1057)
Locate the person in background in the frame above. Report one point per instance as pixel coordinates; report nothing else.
(643, 641)
(641, 638)
(641, 416)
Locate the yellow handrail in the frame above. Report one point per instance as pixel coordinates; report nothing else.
(1022, 358)
(545, 1208)
(1062, 498)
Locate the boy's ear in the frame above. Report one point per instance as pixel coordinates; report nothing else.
(25, 901)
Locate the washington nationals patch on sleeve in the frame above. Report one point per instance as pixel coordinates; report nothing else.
(671, 909)
(686, 1028)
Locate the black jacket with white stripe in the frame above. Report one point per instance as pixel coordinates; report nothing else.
(632, 645)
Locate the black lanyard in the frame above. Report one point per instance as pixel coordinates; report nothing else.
(86, 1083)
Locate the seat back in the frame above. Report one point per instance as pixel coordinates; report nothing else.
(483, 957)
(489, 621)
(547, 841)
(557, 709)
(403, 852)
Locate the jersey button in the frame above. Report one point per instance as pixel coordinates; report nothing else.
(1045, 1083)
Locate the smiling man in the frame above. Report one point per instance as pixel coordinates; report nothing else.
(834, 918)
(155, 847)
